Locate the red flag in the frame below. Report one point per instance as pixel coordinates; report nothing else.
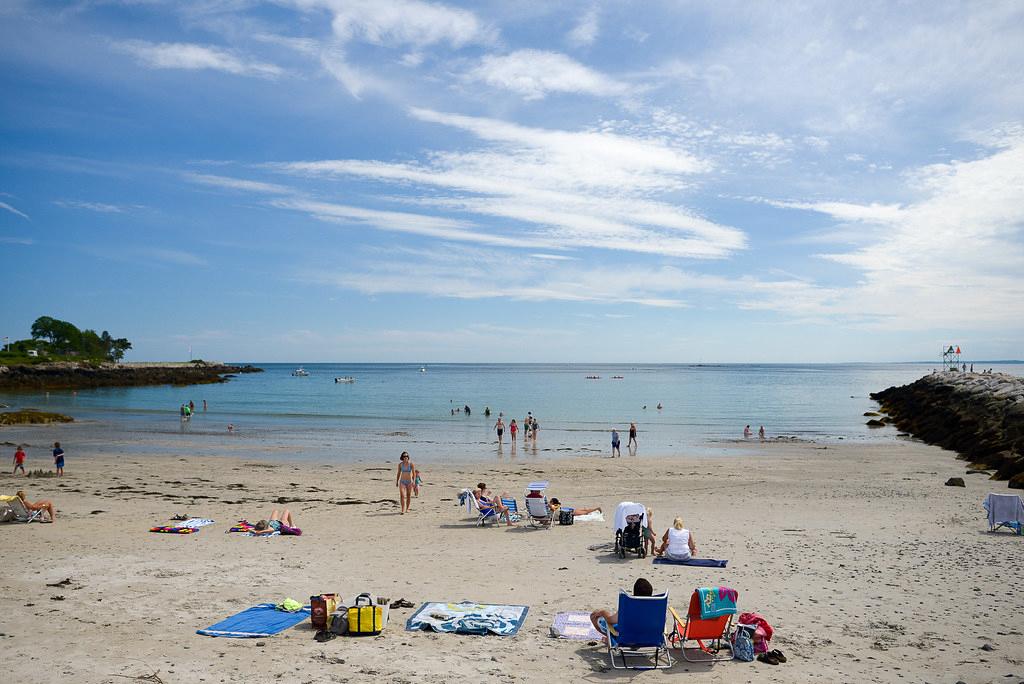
(958, 350)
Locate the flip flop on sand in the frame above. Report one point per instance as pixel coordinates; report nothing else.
(779, 655)
(768, 658)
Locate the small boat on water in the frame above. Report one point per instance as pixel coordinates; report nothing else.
(593, 377)
(346, 379)
(423, 369)
(300, 372)
(618, 377)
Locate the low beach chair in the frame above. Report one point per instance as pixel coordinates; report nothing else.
(12, 509)
(1005, 510)
(641, 633)
(513, 509)
(700, 630)
(540, 512)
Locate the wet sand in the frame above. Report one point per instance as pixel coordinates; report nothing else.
(869, 568)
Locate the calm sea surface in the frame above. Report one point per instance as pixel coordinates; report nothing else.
(391, 407)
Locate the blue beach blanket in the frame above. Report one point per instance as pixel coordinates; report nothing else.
(697, 562)
(468, 618)
(262, 620)
(716, 602)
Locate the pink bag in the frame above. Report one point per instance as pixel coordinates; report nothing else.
(763, 632)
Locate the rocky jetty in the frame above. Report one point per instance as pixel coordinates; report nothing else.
(70, 375)
(33, 417)
(980, 416)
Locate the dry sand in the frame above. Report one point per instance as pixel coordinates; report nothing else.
(869, 568)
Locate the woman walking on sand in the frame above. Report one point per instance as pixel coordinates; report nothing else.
(405, 480)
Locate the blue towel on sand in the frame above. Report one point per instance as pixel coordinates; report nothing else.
(716, 602)
(699, 562)
(262, 620)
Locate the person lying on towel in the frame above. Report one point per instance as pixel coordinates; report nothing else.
(279, 522)
(41, 505)
(605, 621)
(556, 505)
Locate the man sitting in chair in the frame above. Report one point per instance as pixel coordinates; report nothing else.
(602, 618)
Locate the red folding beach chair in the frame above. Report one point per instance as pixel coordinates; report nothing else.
(712, 631)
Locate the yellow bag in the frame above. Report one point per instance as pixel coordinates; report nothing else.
(366, 618)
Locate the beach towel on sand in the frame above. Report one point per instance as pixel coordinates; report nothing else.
(262, 620)
(697, 562)
(468, 618)
(574, 625)
(596, 516)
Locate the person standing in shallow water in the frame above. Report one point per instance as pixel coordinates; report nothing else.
(405, 480)
(747, 433)
(512, 430)
(499, 427)
(632, 436)
(615, 443)
(760, 433)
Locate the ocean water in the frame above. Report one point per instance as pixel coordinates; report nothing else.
(395, 407)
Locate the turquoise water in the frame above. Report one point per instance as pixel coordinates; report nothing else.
(392, 407)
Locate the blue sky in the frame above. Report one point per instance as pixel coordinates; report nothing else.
(330, 180)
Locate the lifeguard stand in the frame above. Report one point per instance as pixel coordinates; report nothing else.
(951, 359)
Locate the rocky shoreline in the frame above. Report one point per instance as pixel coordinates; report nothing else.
(980, 416)
(70, 375)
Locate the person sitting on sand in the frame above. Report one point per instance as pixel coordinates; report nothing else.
(678, 543)
(555, 505)
(487, 501)
(41, 505)
(640, 588)
(279, 522)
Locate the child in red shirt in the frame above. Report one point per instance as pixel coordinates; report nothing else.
(19, 460)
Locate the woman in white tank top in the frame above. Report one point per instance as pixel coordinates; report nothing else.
(678, 543)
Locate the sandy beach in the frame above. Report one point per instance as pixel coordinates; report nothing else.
(869, 569)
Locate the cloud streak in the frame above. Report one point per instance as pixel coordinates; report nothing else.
(535, 74)
(193, 57)
(7, 207)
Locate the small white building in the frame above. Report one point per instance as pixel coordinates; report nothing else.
(32, 352)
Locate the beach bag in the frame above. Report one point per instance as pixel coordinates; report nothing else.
(762, 631)
(742, 644)
(320, 609)
(365, 617)
(565, 516)
(339, 622)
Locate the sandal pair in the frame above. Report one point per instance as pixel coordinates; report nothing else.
(773, 657)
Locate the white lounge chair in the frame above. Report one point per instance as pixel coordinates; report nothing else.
(540, 512)
(12, 509)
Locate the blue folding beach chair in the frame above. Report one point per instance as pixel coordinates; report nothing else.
(513, 509)
(640, 632)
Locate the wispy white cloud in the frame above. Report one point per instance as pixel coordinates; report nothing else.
(954, 254)
(534, 74)
(16, 241)
(7, 207)
(191, 56)
(404, 22)
(99, 207)
(175, 257)
(586, 30)
(241, 184)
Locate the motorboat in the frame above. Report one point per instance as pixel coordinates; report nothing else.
(423, 369)
(300, 372)
(345, 379)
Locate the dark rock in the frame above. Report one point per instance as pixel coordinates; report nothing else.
(955, 482)
(988, 647)
(874, 422)
(1017, 481)
(870, 414)
(84, 375)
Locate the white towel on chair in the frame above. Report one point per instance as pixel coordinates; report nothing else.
(1004, 508)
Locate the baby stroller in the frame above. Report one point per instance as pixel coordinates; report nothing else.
(629, 529)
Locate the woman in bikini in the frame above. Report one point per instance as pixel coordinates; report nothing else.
(41, 505)
(405, 480)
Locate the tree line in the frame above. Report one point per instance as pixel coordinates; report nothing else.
(54, 336)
